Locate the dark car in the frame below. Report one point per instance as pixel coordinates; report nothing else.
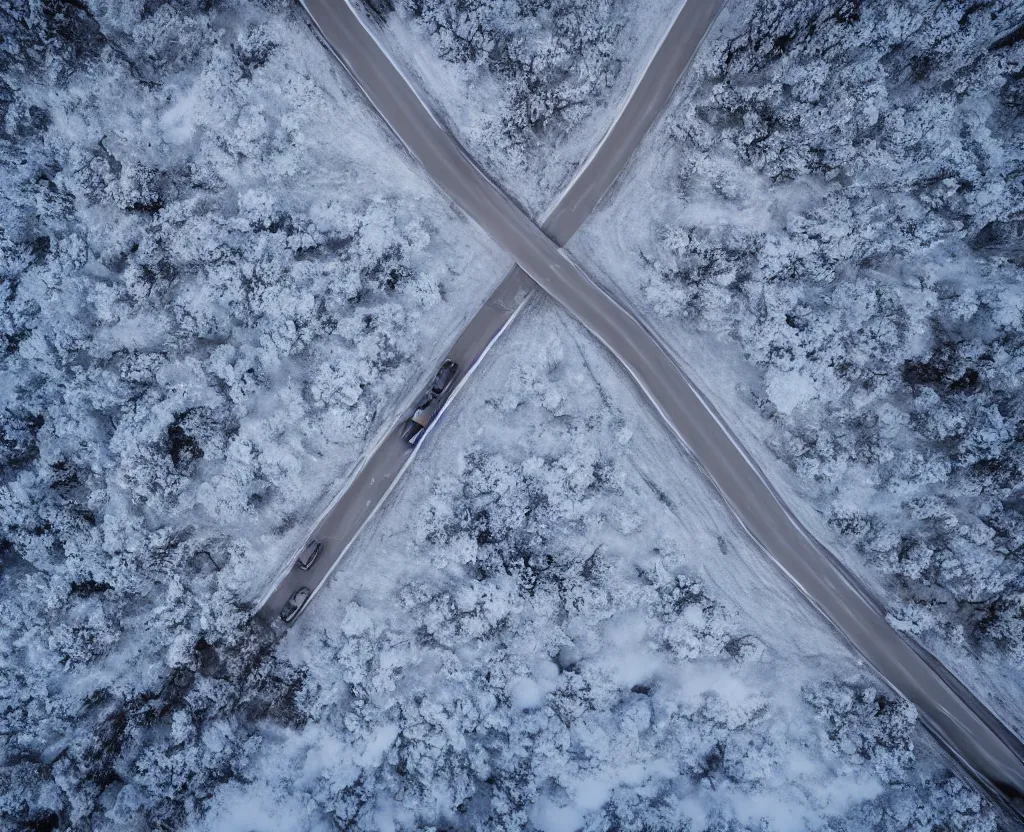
(444, 378)
(309, 554)
(295, 604)
(429, 402)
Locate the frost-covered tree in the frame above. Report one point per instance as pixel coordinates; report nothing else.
(864, 725)
(867, 723)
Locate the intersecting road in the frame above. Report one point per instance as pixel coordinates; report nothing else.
(384, 465)
(973, 735)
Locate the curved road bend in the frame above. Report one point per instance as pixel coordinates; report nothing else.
(381, 469)
(962, 725)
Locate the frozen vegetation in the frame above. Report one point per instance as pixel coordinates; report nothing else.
(556, 626)
(528, 87)
(218, 277)
(836, 202)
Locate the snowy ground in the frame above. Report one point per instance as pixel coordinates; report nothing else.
(528, 88)
(827, 230)
(219, 277)
(555, 625)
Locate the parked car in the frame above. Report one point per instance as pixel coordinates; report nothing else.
(309, 554)
(429, 402)
(295, 604)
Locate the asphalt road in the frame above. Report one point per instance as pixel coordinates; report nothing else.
(971, 733)
(383, 466)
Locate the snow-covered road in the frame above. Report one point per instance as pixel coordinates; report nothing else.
(964, 726)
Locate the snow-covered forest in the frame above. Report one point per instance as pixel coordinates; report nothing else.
(219, 277)
(528, 87)
(837, 198)
(545, 631)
